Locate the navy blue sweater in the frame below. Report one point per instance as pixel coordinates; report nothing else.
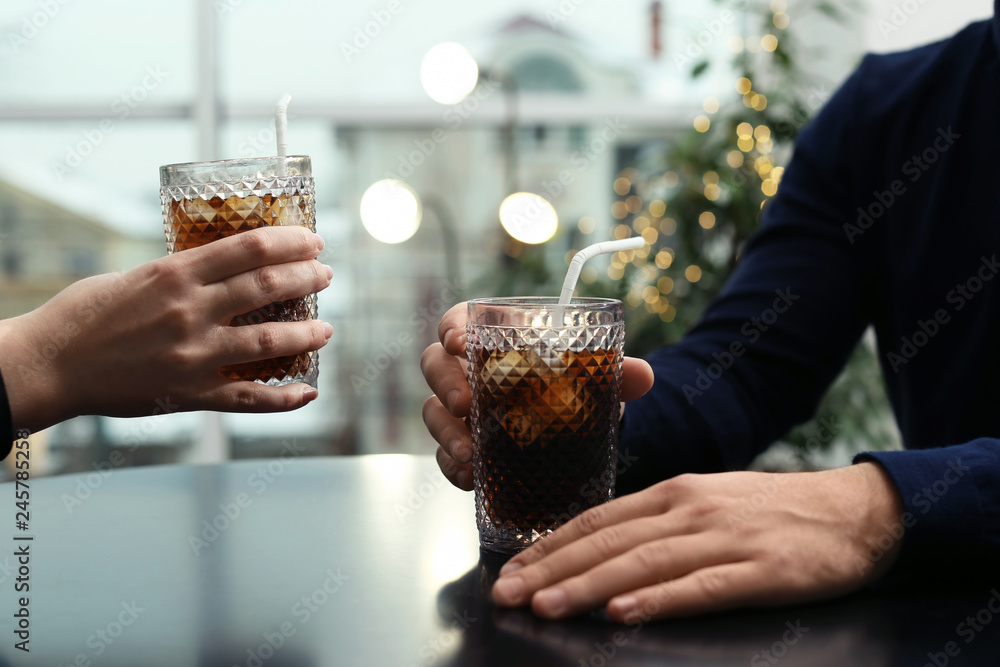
(887, 215)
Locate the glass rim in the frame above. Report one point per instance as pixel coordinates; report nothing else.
(523, 312)
(543, 302)
(233, 161)
(288, 169)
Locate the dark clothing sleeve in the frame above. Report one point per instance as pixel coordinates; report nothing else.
(6, 422)
(951, 504)
(812, 279)
(763, 354)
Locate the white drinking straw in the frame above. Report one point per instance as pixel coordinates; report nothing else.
(575, 266)
(281, 130)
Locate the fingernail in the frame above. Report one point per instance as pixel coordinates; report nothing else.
(462, 477)
(320, 243)
(327, 330)
(552, 602)
(309, 393)
(447, 337)
(453, 399)
(463, 453)
(329, 271)
(510, 566)
(623, 606)
(511, 590)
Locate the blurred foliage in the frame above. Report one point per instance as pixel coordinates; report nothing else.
(698, 199)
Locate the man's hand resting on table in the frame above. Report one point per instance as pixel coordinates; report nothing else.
(687, 545)
(116, 344)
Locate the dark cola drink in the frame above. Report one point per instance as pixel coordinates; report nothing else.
(545, 429)
(194, 222)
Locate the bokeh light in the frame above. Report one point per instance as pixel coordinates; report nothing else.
(664, 258)
(390, 211)
(448, 73)
(528, 217)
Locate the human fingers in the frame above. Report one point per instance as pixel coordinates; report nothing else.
(583, 555)
(708, 589)
(637, 378)
(648, 502)
(243, 252)
(451, 329)
(247, 396)
(270, 340)
(646, 565)
(445, 375)
(457, 474)
(449, 431)
(257, 288)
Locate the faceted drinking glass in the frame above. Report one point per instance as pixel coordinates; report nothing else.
(206, 201)
(546, 395)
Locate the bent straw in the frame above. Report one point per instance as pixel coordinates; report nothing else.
(576, 266)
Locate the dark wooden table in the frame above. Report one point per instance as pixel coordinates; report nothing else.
(374, 561)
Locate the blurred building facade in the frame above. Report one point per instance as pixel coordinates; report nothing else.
(588, 87)
(45, 246)
(551, 88)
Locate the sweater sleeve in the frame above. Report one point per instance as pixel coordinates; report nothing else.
(770, 344)
(951, 505)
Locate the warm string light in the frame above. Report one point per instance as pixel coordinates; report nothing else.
(749, 139)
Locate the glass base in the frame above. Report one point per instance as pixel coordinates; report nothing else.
(507, 544)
